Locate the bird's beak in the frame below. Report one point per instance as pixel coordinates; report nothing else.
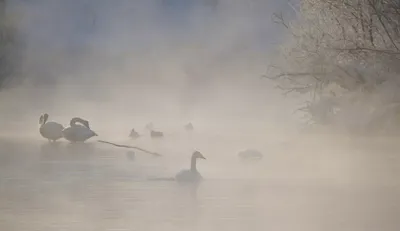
(202, 157)
(95, 134)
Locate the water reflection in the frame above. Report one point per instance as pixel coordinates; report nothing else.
(80, 148)
(50, 149)
(189, 188)
(59, 151)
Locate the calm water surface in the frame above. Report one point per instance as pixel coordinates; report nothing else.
(95, 187)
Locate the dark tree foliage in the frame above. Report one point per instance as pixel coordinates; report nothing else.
(8, 46)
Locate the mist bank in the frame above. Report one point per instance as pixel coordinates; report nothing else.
(161, 61)
(188, 42)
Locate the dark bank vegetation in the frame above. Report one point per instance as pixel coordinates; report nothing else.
(9, 47)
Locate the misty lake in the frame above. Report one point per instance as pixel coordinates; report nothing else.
(96, 187)
(223, 66)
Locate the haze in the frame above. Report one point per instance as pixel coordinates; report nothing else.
(122, 64)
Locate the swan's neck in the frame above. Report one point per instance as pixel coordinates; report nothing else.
(76, 120)
(42, 120)
(73, 121)
(193, 164)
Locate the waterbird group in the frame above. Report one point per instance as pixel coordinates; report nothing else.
(156, 134)
(54, 131)
(79, 131)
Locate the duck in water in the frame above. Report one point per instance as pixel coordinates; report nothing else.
(153, 134)
(134, 134)
(156, 134)
(189, 127)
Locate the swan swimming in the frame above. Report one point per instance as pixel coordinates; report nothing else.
(191, 175)
(50, 130)
(187, 175)
(76, 132)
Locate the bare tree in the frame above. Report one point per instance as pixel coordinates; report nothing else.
(347, 51)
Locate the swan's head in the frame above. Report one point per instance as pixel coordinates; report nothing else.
(43, 118)
(79, 120)
(198, 155)
(86, 123)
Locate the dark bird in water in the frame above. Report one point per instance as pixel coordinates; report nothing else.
(189, 127)
(134, 134)
(153, 134)
(156, 134)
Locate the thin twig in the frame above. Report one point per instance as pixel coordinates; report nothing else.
(127, 146)
(364, 49)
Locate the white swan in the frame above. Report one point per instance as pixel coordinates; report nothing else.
(191, 175)
(76, 132)
(250, 154)
(50, 130)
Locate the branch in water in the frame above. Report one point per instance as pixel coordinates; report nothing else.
(127, 146)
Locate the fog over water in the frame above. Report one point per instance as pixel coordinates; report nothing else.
(122, 64)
